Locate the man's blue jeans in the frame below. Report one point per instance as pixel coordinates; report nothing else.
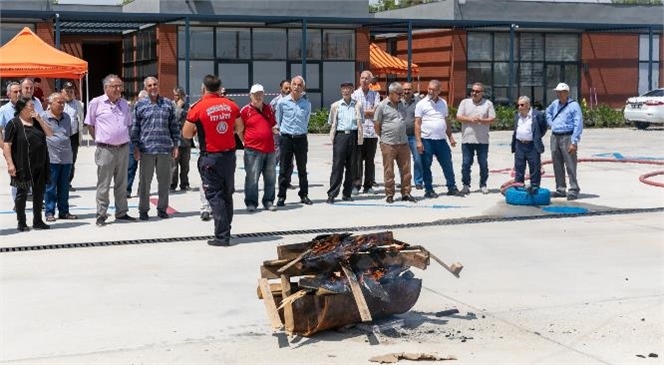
(440, 149)
(257, 163)
(57, 192)
(468, 151)
(131, 170)
(417, 162)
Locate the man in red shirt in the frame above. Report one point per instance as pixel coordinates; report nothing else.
(215, 118)
(259, 152)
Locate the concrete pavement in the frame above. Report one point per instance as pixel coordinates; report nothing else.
(582, 289)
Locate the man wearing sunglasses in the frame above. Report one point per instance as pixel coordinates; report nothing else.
(527, 147)
(476, 114)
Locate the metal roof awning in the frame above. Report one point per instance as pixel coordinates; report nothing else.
(98, 22)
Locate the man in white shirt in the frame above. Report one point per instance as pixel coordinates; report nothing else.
(529, 128)
(366, 165)
(431, 134)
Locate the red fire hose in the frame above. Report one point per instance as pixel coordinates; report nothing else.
(643, 178)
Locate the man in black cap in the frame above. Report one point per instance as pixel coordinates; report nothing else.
(74, 109)
(345, 120)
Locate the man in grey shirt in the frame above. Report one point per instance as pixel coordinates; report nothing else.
(390, 126)
(60, 156)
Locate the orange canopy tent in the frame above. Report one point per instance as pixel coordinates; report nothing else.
(384, 63)
(28, 55)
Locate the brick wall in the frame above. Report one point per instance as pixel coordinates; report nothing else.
(362, 41)
(45, 31)
(167, 55)
(613, 66)
(436, 55)
(612, 61)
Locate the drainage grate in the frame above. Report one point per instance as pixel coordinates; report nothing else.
(440, 222)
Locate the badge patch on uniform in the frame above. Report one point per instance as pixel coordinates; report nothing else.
(222, 127)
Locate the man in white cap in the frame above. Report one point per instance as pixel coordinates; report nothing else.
(260, 127)
(565, 119)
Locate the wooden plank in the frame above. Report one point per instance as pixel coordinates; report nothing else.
(418, 258)
(365, 313)
(289, 321)
(289, 252)
(275, 288)
(454, 271)
(283, 269)
(270, 305)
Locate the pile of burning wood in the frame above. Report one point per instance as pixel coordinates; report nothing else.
(339, 279)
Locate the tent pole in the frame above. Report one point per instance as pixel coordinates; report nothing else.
(410, 49)
(57, 45)
(87, 98)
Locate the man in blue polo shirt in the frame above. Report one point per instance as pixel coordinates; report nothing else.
(293, 112)
(565, 119)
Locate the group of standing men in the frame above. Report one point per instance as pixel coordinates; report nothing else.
(409, 129)
(417, 130)
(274, 134)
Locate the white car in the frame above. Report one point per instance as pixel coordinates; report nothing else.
(646, 109)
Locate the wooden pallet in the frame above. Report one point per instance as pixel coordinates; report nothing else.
(304, 312)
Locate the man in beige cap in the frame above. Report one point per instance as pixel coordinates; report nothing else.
(565, 119)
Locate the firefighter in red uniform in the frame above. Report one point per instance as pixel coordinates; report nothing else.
(215, 118)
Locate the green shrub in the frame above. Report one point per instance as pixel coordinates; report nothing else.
(602, 116)
(318, 121)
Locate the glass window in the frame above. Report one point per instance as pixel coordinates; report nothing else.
(338, 44)
(200, 42)
(144, 70)
(234, 75)
(9, 31)
(479, 46)
(197, 70)
(480, 72)
(234, 43)
(562, 47)
(531, 47)
(313, 44)
(536, 95)
(499, 95)
(312, 78)
(128, 49)
(315, 100)
(531, 74)
(501, 74)
(146, 45)
(643, 77)
(269, 74)
(269, 44)
(501, 47)
(644, 45)
(334, 73)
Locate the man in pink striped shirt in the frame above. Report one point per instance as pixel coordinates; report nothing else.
(109, 121)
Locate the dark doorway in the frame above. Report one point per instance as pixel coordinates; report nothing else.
(103, 59)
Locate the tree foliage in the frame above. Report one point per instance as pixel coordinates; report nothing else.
(384, 5)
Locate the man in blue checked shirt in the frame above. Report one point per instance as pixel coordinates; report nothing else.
(565, 120)
(155, 135)
(293, 112)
